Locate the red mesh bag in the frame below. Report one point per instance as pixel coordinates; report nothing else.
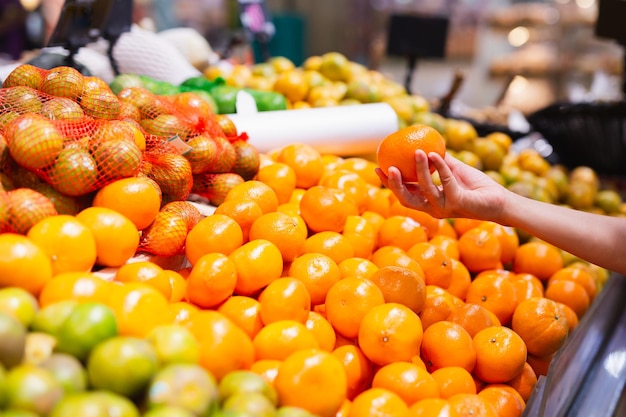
(66, 128)
(167, 234)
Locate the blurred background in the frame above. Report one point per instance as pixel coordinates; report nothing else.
(523, 54)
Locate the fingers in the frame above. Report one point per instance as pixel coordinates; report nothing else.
(443, 167)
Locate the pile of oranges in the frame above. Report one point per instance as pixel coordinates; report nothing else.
(313, 276)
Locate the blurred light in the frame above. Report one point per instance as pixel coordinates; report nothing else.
(518, 85)
(562, 1)
(553, 16)
(519, 36)
(585, 4)
(30, 5)
(615, 363)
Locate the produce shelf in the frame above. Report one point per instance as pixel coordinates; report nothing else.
(588, 375)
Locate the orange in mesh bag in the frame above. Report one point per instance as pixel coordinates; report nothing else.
(167, 234)
(64, 127)
(21, 208)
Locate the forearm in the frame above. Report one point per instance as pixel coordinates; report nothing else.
(594, 238)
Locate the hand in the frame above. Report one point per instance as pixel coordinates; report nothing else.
(464, 191)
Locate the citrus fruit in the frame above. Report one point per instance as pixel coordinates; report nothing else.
(188, 386)
(20, 258)
(123, 365)
(398, 149)
(86, 326)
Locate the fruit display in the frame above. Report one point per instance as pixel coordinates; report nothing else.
(220, 96)
(327, 80)
(308, 289)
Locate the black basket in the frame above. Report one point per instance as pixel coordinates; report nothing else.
(586, 134)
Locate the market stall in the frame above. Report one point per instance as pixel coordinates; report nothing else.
(183, 234)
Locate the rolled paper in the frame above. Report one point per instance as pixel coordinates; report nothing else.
(340, 130)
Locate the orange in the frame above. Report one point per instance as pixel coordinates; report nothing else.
(447, 344)
(23, 264)
(480, 250)
(361, 235)
(305, 160)
(504, 399)
(410, 381)
(138, 198)
(362, 166)
(266, 368)
(332, 244)
(430, 407)
(244, 212)
(70, 245)
(138, 308)
(448, 244)
(331, 164)
(438, 306)
(245, 312)
(357, 267)
(541, 324)
(570, 315)
(390, 332)
(462, 225)
(430, 223)
(500, 354)
(508, 238)
(394, 256)
(527, 286)
(283, 230)
(314, 380)
(279, 339)
(79, 286)
(212, 280)
(379, 402)
(258, 262)
(569, 293)
(292, 84)
(377, 200)
(283, 299)
(525, 382)
(471, 405)
(538, 258)
(374, 218)
(117, 238)
(398, 149)
(348, 301)
(257, 191)
(318, 272)
(178, 285)
(223, 346)
(496, 293)
(147, 272)
(454, 380)
(435, 263)
(323, 210)
(359, 369)
(322, 330)
(578, 275)
(472, 317)
(280, 177)
(215, 233)
(461, 279)
(540, 364)
(446, 229)
(349, 182)
(401, 231)
(181, 312)
(401, 285)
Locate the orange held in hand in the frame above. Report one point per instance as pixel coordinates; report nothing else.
(398, 149)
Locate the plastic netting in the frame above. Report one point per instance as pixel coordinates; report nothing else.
(75, 135)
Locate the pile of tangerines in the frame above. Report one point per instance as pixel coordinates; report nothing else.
(315, 277)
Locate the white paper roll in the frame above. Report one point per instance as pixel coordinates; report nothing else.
(339, 130)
